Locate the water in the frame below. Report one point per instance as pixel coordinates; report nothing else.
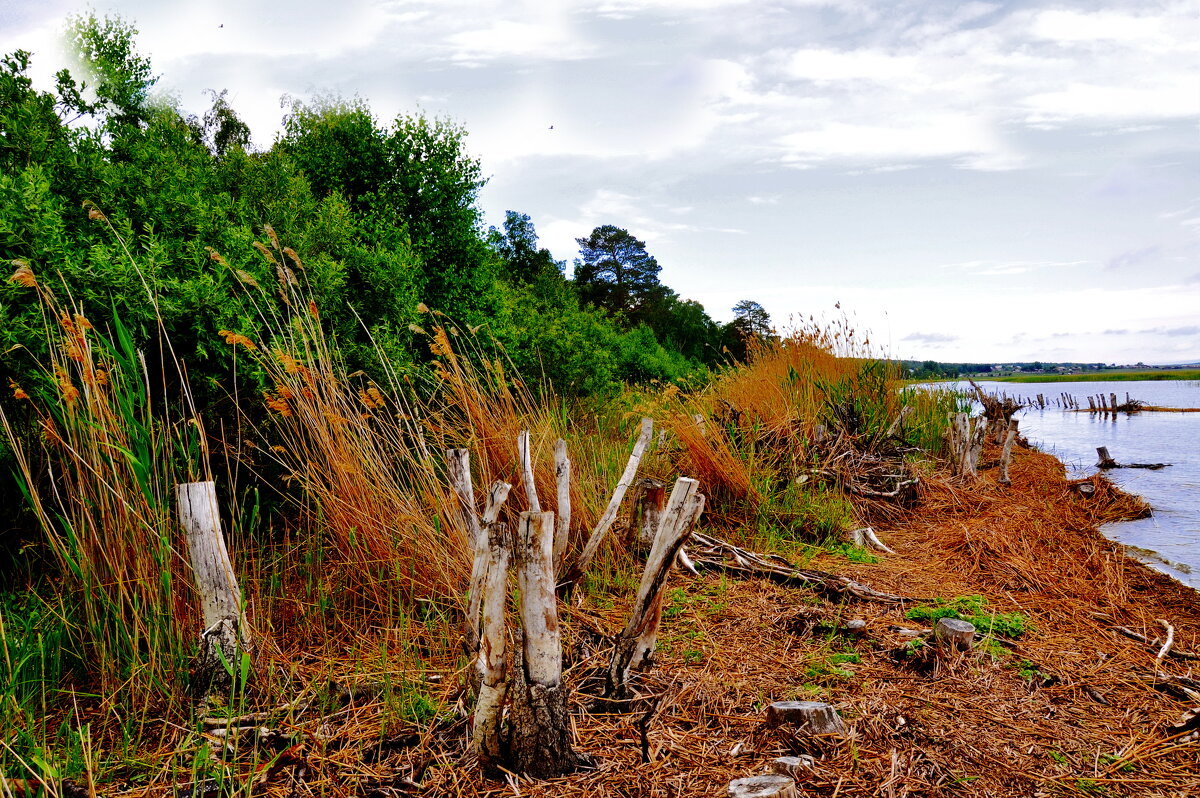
(1172, 536)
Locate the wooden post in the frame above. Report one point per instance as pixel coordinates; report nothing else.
(541, 744)
(653, 501)
(1006, 455)
(1113, 402)
(224, 634)
(489, 665)
(527, 471)
(562, 477)
(634, 648)
(614, 504)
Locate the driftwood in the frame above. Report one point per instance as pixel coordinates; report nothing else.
(610, 512)
(223, 640)
(541, 744)
(634, 647)
(771, 785)
(716, 554)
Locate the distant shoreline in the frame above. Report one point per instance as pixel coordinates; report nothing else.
(1103, 376)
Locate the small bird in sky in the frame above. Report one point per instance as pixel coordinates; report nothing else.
(552, 127)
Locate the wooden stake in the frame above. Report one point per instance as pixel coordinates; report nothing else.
(527, 471)
(610, 512)
(562, 476)
(224, 636)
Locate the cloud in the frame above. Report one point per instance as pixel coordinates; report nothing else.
(993, 268)
(1190, 329)
(932, 339)
(1133, 257)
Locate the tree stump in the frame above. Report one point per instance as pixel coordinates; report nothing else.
(1006, 456)
(772, 785)
(653, 501)
(811, 717)
(1106, 460)
(541, 744)
(953, 634)
(489, 707)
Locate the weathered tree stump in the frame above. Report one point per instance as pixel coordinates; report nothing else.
(953, 634)
(493, 689)
(562, 525)
(1006, 456)
(772, 785)
(653, 502)
(815, 718)
(541, 744)
(635, 645)
(223, 639)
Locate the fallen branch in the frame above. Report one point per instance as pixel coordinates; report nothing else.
(717, 554)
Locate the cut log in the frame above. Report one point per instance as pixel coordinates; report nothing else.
(614, 504)
(812, 717)
(1006, 456)
(562, 526)
(489, 664)
(954, 634)
(223, 639)
(541, 744)
(527, 471)
(634, 649)
(772, 785)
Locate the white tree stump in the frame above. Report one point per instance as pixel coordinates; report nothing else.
(541, 744)
(772, 785)
(489, 664)
(224, 636)
(812, 717)
(953, 634)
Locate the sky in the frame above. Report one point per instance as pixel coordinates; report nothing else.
(966, 181)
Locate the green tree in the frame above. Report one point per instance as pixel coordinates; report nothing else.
(614, 272)
(122, 78)
(518, 247)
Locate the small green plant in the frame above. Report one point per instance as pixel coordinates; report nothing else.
(972, 609)
(693, 657)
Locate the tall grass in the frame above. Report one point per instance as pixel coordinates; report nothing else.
(100, 481)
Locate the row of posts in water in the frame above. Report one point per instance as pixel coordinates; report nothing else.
(1099, 403)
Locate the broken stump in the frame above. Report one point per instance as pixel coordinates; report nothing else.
(954, 634)
(813, 717)
(771, 785)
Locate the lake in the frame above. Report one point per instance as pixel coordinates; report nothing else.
(1172, 535)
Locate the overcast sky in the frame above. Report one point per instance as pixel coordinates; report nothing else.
(970, 181)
